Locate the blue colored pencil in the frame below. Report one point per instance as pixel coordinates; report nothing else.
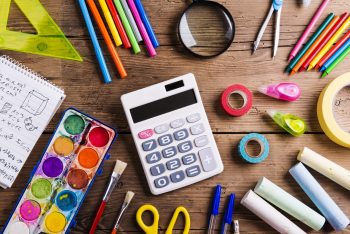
(335, 55)
(146, 23)
(98, 51)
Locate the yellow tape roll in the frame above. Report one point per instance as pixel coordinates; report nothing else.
(325, 111)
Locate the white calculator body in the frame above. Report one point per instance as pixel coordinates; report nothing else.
(172, 134)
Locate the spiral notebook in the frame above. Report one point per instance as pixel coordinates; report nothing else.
(27, 104)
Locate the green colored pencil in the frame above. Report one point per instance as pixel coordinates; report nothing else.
(310, 42)
(335, 63)
(127, 27)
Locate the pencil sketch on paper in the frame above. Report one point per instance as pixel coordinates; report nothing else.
(34, 103)
(28, 123)
(5, 108)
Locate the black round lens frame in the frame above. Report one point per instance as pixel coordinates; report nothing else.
(213, 4)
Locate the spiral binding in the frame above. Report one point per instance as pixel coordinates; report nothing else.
(29, 73)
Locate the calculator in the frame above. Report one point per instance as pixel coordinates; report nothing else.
(172, 134)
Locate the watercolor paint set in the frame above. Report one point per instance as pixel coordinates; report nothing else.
(63, 176)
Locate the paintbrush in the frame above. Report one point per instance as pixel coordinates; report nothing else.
(128, 197)
(117, 172)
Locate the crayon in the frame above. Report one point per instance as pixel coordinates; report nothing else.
(335, 55)
(131, 20)
(336, 62)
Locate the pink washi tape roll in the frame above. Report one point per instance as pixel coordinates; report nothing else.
(241, 90)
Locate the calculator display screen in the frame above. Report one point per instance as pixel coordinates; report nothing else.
(162, 106)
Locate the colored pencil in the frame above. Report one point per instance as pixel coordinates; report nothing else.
(335, 55)
(313, 46)
(146, 23)
(330, 43)
(336, 62)
(110, 23)
(310, 42)
(323, 43)
(118, 24)
(101, 61)
(333, 49)
(149, 46)
(308, 29)
(128, 29)
(131, 21)
(112, 50)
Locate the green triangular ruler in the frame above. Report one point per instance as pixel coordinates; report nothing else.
(49, 40)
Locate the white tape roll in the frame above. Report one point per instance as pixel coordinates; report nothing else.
(325, 111)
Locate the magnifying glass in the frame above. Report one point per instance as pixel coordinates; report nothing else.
(206, 28)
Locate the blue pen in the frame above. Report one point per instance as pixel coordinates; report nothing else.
(103, 66)
(227, 220)
(147, 23)
(335, 55)
(214, 209)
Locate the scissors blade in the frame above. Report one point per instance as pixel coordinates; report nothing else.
(262, 29)
(277, 32)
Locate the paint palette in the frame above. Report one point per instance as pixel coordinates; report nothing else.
(63, 176)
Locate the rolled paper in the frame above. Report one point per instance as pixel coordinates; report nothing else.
(270, 215)
(334, 215)
(325, 166)
(283, 200)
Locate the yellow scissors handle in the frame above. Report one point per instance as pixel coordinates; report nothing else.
(153, 229)
(179, 210)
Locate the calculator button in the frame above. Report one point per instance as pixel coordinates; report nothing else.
(173, 164)
(177, 123)
(153, 157)
(161, 128)
(181, 134)
(161, 182)
(201, 141)
(157, 170)
(193, 118)
(207, 159)
(165, 140)
(169, 152)
(177, 176)
(189, 159)
(149, 145)
(193, 171)
(197, 129)
(184, 146)
(145, 134)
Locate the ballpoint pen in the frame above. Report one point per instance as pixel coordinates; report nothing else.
(214, 209)
(227, 220)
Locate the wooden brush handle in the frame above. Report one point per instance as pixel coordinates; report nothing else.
(98, 217)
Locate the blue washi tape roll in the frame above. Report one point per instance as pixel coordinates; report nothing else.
(264, 148)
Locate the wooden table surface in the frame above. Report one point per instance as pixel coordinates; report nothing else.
(85, 91)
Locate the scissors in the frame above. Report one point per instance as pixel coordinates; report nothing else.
(276, 6)
(153, 229)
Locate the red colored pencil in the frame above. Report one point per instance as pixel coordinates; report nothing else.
(342, 19)
(333, 50)
(118, 24)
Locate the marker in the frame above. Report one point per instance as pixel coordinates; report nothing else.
(146, 23)
(149, 46)
(118, 24)
(99, 55)
(308, 29)
(330, 43)
(335, 63)
(310, 42)
(128, 29)
(131, 21)
(112, 50)
(332, 32)
(313, 46)
(333, 49)
(214, 209)
(227, 220)
(110, 23)
(335, 55)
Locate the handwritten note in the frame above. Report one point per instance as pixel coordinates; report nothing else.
(27, 104)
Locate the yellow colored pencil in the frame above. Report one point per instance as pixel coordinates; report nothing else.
(329, 44)
(110, 22)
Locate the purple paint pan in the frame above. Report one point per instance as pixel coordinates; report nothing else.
(52, 167)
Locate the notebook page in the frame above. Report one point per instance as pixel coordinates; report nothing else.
(27, 103)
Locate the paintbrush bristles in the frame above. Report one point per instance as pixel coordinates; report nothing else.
(128, 197)
(119, 167)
